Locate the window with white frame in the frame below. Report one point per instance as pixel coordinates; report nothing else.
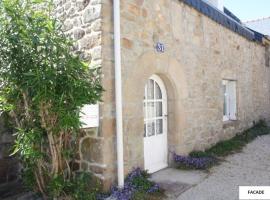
(229, 102)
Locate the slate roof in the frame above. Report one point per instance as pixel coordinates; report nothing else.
(229, 13)
(226, 19)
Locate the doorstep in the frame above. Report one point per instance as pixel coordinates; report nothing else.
(175, 181)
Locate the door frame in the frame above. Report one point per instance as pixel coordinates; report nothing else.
(161, 84)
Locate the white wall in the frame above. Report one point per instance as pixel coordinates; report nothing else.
(261, 25)
(217, 3)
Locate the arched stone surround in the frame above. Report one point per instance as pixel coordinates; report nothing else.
(169, 70)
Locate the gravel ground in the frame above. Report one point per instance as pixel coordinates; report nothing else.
(251, 167)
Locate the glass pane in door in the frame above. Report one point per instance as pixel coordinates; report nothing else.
(158, 94)
(159, 126)
(150, 128)
(150, 89)
(159, 109)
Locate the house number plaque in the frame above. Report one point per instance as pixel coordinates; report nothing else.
(160, 47)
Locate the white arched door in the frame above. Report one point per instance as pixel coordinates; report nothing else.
(155, 125)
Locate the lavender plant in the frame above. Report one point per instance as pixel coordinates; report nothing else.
(193, 162)
(136, 181)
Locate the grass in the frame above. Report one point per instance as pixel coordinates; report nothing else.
(139, 195)
(144, 196)
(236, 143)
(228, 147)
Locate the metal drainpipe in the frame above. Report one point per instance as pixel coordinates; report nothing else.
(118, 93)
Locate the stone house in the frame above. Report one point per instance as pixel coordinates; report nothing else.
(192, 75)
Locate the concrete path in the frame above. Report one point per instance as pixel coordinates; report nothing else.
(175, 181)
(248, 168)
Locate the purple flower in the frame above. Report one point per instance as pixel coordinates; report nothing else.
(154, 188)
(130, 187)
(197, 163)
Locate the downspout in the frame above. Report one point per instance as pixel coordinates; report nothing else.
(118, 93)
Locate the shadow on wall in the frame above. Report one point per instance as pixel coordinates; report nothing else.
(9, 165)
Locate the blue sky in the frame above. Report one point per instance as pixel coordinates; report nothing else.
(249, 9)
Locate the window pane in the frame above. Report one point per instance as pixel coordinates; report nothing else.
(159, 109)
(145, 92)
(150, 89)
(144, 110)
(144, 129)
(158, 94)
(232, 100)
(159, 126)
(229, 105)
(150, 110)
(224, 100)
(150, 128)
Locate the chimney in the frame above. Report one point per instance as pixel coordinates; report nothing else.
(219, 4)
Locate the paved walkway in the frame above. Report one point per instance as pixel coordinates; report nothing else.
(248, 168)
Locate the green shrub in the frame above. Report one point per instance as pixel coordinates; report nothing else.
(142, 183)
(236, 143)
(84, 187)
(43, 88)
(232, 145)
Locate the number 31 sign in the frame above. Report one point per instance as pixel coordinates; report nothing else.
(160, 47)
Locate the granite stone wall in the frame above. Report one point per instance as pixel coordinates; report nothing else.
(87, 22)
(199, 53)
(267, 56)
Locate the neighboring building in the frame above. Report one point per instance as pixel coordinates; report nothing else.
(260, 25)
(192, 76)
